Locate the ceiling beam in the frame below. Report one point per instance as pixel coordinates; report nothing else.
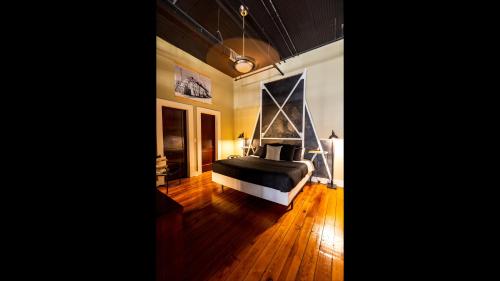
(223, 5)
(313, 48)
(260, 33)
(198, 28)
(283, 25)
(277, 27)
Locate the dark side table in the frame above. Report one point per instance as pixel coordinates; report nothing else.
(164, 175)
(169, 239)
(318, 152)
(173, 168)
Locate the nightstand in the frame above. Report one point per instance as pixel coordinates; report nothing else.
(163, 174)
(167, 171)
(318, 152)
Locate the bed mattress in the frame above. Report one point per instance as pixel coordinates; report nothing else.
(280, 175)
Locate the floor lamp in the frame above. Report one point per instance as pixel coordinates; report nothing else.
(336, 143)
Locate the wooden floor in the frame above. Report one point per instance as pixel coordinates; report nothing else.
(230, 235)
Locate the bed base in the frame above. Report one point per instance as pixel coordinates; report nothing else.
(264, 192)
(291, 204)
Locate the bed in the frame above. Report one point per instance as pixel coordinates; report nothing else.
(276, 181)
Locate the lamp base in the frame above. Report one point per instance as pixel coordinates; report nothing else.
(331, 185)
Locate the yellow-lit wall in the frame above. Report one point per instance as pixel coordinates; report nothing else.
(324, 93)
(238, 101)
(167, 56)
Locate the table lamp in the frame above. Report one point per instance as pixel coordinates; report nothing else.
(241, 139)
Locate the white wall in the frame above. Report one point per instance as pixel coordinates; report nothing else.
(238, 101)
(324, 93)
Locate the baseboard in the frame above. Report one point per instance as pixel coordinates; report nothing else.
(339, 183)
(320, 180)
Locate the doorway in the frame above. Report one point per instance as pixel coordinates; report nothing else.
(207, 141)
(174, 125)
(208, 146)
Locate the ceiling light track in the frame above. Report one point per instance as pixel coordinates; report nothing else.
(313, 48)
(283, 25)
(277, 27)
(218, 27)
(193, 21)
(207, 34)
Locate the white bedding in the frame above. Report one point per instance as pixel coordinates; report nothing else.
(271, 194)
(310, 166)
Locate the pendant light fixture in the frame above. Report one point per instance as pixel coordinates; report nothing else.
(242, 63)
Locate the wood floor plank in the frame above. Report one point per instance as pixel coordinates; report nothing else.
(220, 245)
(239, 241)
(294, 259)
(324, 264)
(338, 243)
(213, 217)
(243, 262)
(308, 264)
(206, 236)
(267, 215)
(276, 264)
(265, 257)
(223, 217)
(261, 245)
(230, 235)
(247, 257)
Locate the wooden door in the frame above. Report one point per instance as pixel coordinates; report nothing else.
(207, 141)
(175, 141)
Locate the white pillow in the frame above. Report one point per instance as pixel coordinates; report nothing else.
(273, 152)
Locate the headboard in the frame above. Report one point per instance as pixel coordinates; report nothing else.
(284, 117)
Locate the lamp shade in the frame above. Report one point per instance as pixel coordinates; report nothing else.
(338, 161)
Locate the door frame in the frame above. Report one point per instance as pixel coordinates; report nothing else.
(189, 130)
(199, 111)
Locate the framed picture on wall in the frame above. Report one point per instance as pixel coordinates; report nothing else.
(192, 85)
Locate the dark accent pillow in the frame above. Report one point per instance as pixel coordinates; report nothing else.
(264, 151)
(287, 151)
(297, 154)
(259, 151)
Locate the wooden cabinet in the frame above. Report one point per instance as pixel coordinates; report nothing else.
(169, 239)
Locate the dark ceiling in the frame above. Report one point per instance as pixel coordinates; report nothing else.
(275, 30)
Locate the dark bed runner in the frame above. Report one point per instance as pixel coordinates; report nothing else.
(280, 175)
